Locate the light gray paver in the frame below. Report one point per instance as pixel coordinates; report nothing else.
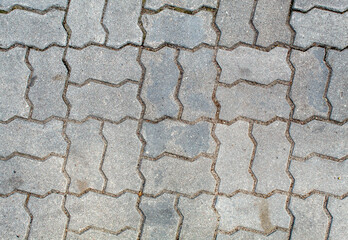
(32, 29)
(190, 5)
(253, 65)
(92, 234)
(305, 5)
(338, 209)
(232, 164)
(277, 235)
(40, 5)
(14, 75)
(233, 19)
(188, 30)
(320, 26)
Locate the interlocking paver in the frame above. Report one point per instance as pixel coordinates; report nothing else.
(95, 234)
(338, 209)
(40, 5)
(191, 5)
(277, 235)
(305, 5)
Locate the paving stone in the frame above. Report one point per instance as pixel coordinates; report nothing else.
(253, 65)
(14, 219)
(161, 79)
(234, 157)
(32, 29)
(253, 102)
(197, 84)
(95, 234)
(101, 211)
(178, 175)
(190, 5)
(178, 138)
(199, 218)
(47, 83)
(271, 157)
(14, 75)
(84, 20)
(103, 64)
(161, 219)
(338, 209)
(32, 138)
(311, 222)
(305, 5)
(252, 212)
(233, 20)
(32, 175)
(48, 217)
(320, 174)
(179, 28)
(121, 19)
(308, 87)
(40, 5)
(98, 100)
(121, 157)
(320, 26)
(277, 235)
(271, 22)
(320, 137)
(338, 87)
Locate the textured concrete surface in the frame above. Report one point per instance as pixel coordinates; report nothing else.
(172, 119)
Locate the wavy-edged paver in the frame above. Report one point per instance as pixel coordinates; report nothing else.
(33, 4)
(338, 209)
(190, 5)
(305, 5)
(277, 235)
(100, 235)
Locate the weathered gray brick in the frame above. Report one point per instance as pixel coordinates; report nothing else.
(161, 78)
(234, 157)
(308, 87)
(305, 5)
(32, 29)
(338, 209)
(84, 20)
(121, 157)
(253, 102)
(98, 100)
(197, 84)
(320, 137)
(95, 234)
(190, 5)
(233, 19)
(320, 26)
(179, 28)
(32, 175)
(40, 5)
(199, 218)
(178, 175)
(32, 138)
(277, 235)
(47, 84)
(253, 65)
(178, 138)
(48, 217)
(14, 75)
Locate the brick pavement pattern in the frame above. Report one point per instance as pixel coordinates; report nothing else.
(171, 119)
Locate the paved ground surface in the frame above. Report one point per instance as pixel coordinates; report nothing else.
(168, 119)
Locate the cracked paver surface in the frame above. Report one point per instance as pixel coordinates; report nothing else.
(169, 119)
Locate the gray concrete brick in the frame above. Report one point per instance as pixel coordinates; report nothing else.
(103, 64)
(95, 234)
(305, 5)
(320, 26)
(253, 65)
(253, 102)
(47, 89)
(277, 235)
(104, 101)
(121, 19)
(190, 5)
(14, 219)
(161, 78)
(252, 212)
(178, 138)
(84, 20)
(32, 138)
(40, 5)
(338, 88)
(93, 209)
(308, 87)
(48, 217)
(311, 221)
(161, 219)
(320, 137)
(32, 175)
(234, 157)
(32, 29)
(179, 28)
(14, 75)
(121, 157)
(338, 209)
(199, 218)
(271, 22)
(197, 84)
(271, 157)
(178, 175)
(233, 19)
(86, 151)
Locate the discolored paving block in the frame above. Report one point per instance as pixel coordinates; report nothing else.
(277, 235)
(95, 234)
(190, 5)
(338, 209)
(34, 4)
(305, 5)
